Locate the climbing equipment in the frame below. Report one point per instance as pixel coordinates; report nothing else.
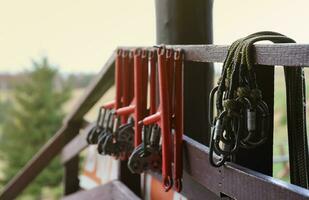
(111, 132)
(169, 115)
(240, 106)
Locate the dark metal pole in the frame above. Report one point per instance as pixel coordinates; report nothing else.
(190, 22)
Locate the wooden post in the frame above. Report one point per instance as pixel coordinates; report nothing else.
(71, 181)
(132, 181)
(190, 22)
(71, 168)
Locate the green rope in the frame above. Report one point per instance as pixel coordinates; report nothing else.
(239, 99)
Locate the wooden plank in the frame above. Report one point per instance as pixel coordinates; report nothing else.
(71, 173)
(99, 86)
(71, 168)
(194, 190)
(76, 145)
(233, 180)
(132, 181)
(111, 190)
(265, 54)
(71, 164)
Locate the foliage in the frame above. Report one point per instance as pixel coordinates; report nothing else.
(33, 119)
(4, 105)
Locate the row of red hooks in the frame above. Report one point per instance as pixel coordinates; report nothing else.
(135, 109)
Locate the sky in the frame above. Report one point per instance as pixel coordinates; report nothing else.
(80, 35)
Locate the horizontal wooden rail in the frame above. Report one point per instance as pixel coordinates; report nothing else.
(265, 54)
(71, 125)
(231, 179)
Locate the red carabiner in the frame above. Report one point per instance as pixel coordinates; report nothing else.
(178, 59)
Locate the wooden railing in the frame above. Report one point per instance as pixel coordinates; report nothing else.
(200, 179)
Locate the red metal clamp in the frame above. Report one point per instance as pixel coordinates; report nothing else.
(118, 77)
(139, 104)
(162, 118)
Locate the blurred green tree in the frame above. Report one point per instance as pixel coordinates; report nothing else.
(35, 116)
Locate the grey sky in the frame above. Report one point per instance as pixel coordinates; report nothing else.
(79, 35)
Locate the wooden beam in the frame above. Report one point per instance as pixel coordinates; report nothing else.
(230, 181)
(233, 180)
(71, 173)
(265, 54)
(111, 190)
